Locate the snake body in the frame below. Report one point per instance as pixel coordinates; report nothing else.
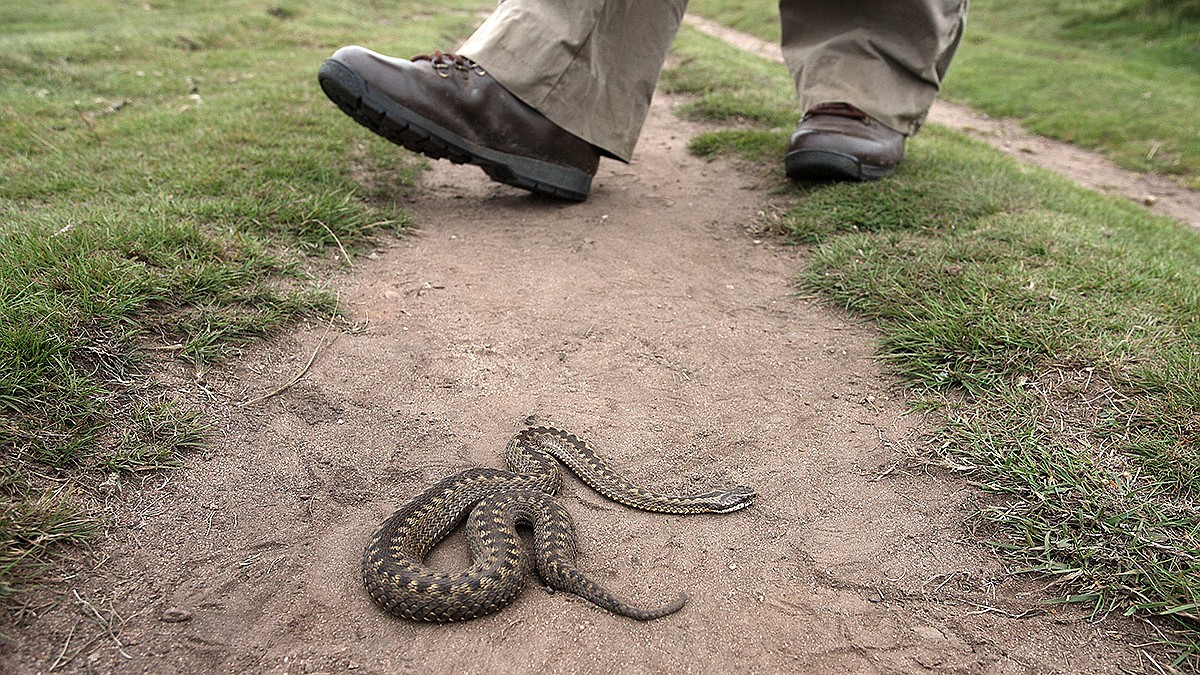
(498, 501)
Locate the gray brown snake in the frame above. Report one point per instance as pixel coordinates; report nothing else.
(398, 580)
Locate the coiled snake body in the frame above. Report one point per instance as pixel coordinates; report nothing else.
(397, 579)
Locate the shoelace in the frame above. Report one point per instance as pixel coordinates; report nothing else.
(838, 110)
(442, 62)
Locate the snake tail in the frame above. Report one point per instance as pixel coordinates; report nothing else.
(570, 579)
(555, 551)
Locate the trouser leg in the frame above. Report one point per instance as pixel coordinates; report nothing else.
(590, 66)
(885, 58)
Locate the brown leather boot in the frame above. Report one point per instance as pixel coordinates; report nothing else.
(447, 106)
(836, 141)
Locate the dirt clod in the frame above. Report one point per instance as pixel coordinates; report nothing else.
(175, 615)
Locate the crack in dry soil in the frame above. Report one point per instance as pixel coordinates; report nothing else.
(646, 319)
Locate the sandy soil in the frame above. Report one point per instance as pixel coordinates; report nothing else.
(649, 320)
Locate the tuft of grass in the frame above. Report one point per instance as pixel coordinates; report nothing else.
(1056, 330)
(173, 184)
(1118, 76)
(742, 91)
(755, 143)
(37, 518)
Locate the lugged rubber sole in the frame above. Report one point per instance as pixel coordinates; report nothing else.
(826, 165)
(406, 128)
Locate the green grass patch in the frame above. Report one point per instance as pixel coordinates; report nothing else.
(1118, 76)
(1055, 329)
(174, 185)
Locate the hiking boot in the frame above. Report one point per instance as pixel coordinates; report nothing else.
(447, 106)
(836, 141)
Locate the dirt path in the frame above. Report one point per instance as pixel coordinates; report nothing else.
(1160, 195)
(647, 320)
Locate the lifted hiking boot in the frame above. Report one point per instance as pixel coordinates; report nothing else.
(447, 106)
(836, 141)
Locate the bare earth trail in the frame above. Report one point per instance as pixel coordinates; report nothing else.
(647, 320)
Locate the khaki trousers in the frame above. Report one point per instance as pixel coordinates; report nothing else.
(591, 66)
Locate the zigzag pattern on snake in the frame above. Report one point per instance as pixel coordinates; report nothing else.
(498, 501)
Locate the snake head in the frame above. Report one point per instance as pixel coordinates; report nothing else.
(733, 499)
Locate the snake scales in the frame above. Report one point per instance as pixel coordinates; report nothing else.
(397, 579)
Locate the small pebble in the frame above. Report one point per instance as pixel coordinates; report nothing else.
(175, 615)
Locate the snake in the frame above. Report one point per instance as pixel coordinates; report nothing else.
(495, 502)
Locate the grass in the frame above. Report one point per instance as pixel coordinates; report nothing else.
(1055, 330)
(174, 185)
(1118, 76)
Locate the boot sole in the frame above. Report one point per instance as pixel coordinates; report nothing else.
(387, 118)
(826, 165)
